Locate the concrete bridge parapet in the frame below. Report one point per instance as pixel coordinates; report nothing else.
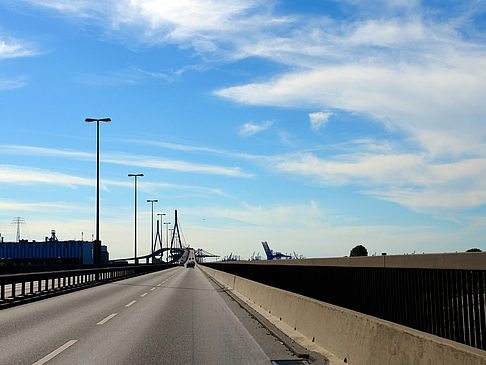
(346, 336)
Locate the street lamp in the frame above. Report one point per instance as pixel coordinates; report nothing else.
(135, 176)
(97, 243)
(152, 201)
(161, 233)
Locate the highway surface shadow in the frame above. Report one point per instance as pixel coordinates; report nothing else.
(270, 338)
(170, 287)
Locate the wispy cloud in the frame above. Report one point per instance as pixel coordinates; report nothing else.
(177, 146)
(130, 160)
(35, 207)
(411, 180)
(9, 84)
(13, 48)
(149, 186)
(196, 148)
(131, 76)
(181, 166)
(110, 79)
(308, 214)
(23, 175)
(45, 151)
(387, 94)
(249, 129)
(210, 27)
(318, 120)
(417, 70)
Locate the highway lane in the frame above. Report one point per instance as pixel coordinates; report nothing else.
(176, 316)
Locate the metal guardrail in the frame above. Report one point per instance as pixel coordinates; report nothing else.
(22, 287)
(443, 302)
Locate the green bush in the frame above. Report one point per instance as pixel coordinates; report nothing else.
(359, 250)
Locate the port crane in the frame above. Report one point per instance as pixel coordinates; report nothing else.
(271, 255)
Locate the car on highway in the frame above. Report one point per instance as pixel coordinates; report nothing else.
(190, 264)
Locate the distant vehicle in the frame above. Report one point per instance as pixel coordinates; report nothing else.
(190, 264)
(273, 255)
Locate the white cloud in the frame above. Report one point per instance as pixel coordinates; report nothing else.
(249, 129)
(319, 120)
(152, 187)
(42, 206)
(182, 166)
(12, 83)
(45, 151)
(424, 103)
(210, 27)
(408, 179)
(25, 175)
(129, 160)
(14, 49)
(302, 214)
(22, 175)
(197, 149)
(420, 73)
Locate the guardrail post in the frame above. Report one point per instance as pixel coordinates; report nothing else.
(482, 309)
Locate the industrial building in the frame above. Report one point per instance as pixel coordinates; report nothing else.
(50, 251)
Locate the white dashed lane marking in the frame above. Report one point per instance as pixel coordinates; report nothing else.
(103, 321)
(55, 352)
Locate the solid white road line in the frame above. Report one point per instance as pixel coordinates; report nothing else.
(103, 321)
(129, 304)
(144, 294)
(55, 352)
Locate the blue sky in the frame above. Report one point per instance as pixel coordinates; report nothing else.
(313, 125)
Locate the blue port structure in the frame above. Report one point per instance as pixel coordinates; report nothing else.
(73, 251)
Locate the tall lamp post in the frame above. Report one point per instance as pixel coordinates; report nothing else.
(135, 176)
(161, 234)
(152, 201)
(97, 243)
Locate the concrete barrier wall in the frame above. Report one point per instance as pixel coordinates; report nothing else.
(349, 335)
(456, 261)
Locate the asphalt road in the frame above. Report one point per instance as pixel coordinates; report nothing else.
(176, 316)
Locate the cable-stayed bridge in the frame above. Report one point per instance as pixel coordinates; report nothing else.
(175, 252)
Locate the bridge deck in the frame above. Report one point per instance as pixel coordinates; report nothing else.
(175, 316)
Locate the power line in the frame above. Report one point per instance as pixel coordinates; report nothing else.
(18, 221)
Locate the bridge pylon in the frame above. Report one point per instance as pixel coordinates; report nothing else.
(176, 241)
